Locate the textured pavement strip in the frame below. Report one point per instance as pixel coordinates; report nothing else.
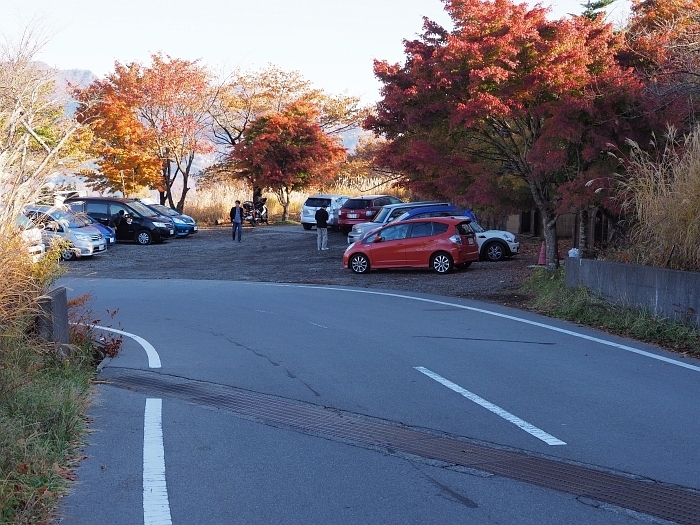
(669, 502)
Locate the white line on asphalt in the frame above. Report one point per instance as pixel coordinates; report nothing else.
(503, 316)
(153, 357)
(319, 325)
(527, 427)
(156, 508)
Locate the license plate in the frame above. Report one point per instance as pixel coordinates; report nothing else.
(352, 215)
(101, 247)
(195, 228)
(171, 231)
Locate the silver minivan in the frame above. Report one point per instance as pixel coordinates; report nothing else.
(333, 204)
(56, 223)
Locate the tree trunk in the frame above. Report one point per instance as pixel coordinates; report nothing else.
(282, 195)
(549, 227)
(583, 230)
(549, 222)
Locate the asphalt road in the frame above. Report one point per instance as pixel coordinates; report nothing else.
(564, 392)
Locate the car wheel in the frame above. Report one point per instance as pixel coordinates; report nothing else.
(69, 255)
(144, 237)
(306, 226)
(494, 251)
(441, 262)
(359, 263)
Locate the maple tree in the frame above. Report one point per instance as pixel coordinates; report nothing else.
(153, 117)
(286, 152)
(509, 100)
(662, 42)
(247, 96)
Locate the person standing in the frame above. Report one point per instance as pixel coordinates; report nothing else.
(322, 228)
(236, 215)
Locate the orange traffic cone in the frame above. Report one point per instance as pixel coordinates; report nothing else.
(543, 255)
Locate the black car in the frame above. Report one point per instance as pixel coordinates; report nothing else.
(130, 219)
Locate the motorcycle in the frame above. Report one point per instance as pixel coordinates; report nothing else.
(256, 212)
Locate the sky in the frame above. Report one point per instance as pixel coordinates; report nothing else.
(331, 43)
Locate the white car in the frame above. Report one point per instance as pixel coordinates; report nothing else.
(31, 235)
(495, 245)
(333, 204)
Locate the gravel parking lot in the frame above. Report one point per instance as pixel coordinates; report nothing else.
(289, 254)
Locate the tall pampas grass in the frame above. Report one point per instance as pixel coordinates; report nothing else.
(662, 193)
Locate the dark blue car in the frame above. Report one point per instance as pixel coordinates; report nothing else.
(106, 231)
(184, 224)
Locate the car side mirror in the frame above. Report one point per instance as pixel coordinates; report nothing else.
(378, 239)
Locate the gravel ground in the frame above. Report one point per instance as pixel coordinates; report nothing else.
(289, 254)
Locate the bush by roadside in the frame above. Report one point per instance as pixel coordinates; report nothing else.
(550, 296)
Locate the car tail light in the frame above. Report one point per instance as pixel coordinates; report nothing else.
(457, 239)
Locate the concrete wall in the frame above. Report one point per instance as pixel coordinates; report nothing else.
(665, 293)
(52, 324)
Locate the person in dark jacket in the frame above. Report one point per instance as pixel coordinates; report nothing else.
(322, 228)
(236, 215)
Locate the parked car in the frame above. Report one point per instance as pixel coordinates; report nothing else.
(31, 235)
(388, 214)
(439, 243)
(333, 204)
(107, 232)
(131, 219)
(82, 240)
(495, 245)
(184, 224)
(362, 209)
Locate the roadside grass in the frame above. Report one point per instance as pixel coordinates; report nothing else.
(41, 423)
(550, 296)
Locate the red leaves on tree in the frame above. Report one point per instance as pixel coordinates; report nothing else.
(287, 151)
(507, 96)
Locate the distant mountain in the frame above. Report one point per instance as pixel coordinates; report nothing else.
(75, 77)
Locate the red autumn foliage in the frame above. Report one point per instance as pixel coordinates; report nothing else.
(508, 101)
(287, 151)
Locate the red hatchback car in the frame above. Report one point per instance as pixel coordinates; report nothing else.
(440, 243)
(361, 209)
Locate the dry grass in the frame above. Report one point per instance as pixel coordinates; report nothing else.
(663, 195)
(210, 205)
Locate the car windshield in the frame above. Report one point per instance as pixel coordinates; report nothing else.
(67, 219)
(382, 215)
(475, 226)
(84, 217)
(141, 208)
(24, 222)
(164, 209)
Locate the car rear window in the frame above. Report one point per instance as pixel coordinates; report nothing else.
(317, 202)
(98, 207)
(439, 227)
(357, 204)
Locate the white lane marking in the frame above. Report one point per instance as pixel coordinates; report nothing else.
(156, 509)
(504, 316)
(153, 357)
(527, 427)
(319, 325)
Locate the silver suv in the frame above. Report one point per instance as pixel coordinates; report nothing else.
(83, 240)
(387, 214)
(333, 204)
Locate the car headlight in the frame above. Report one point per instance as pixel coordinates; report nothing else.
(178, 221)
(509, 237)
(160, 225)
(82, 237)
